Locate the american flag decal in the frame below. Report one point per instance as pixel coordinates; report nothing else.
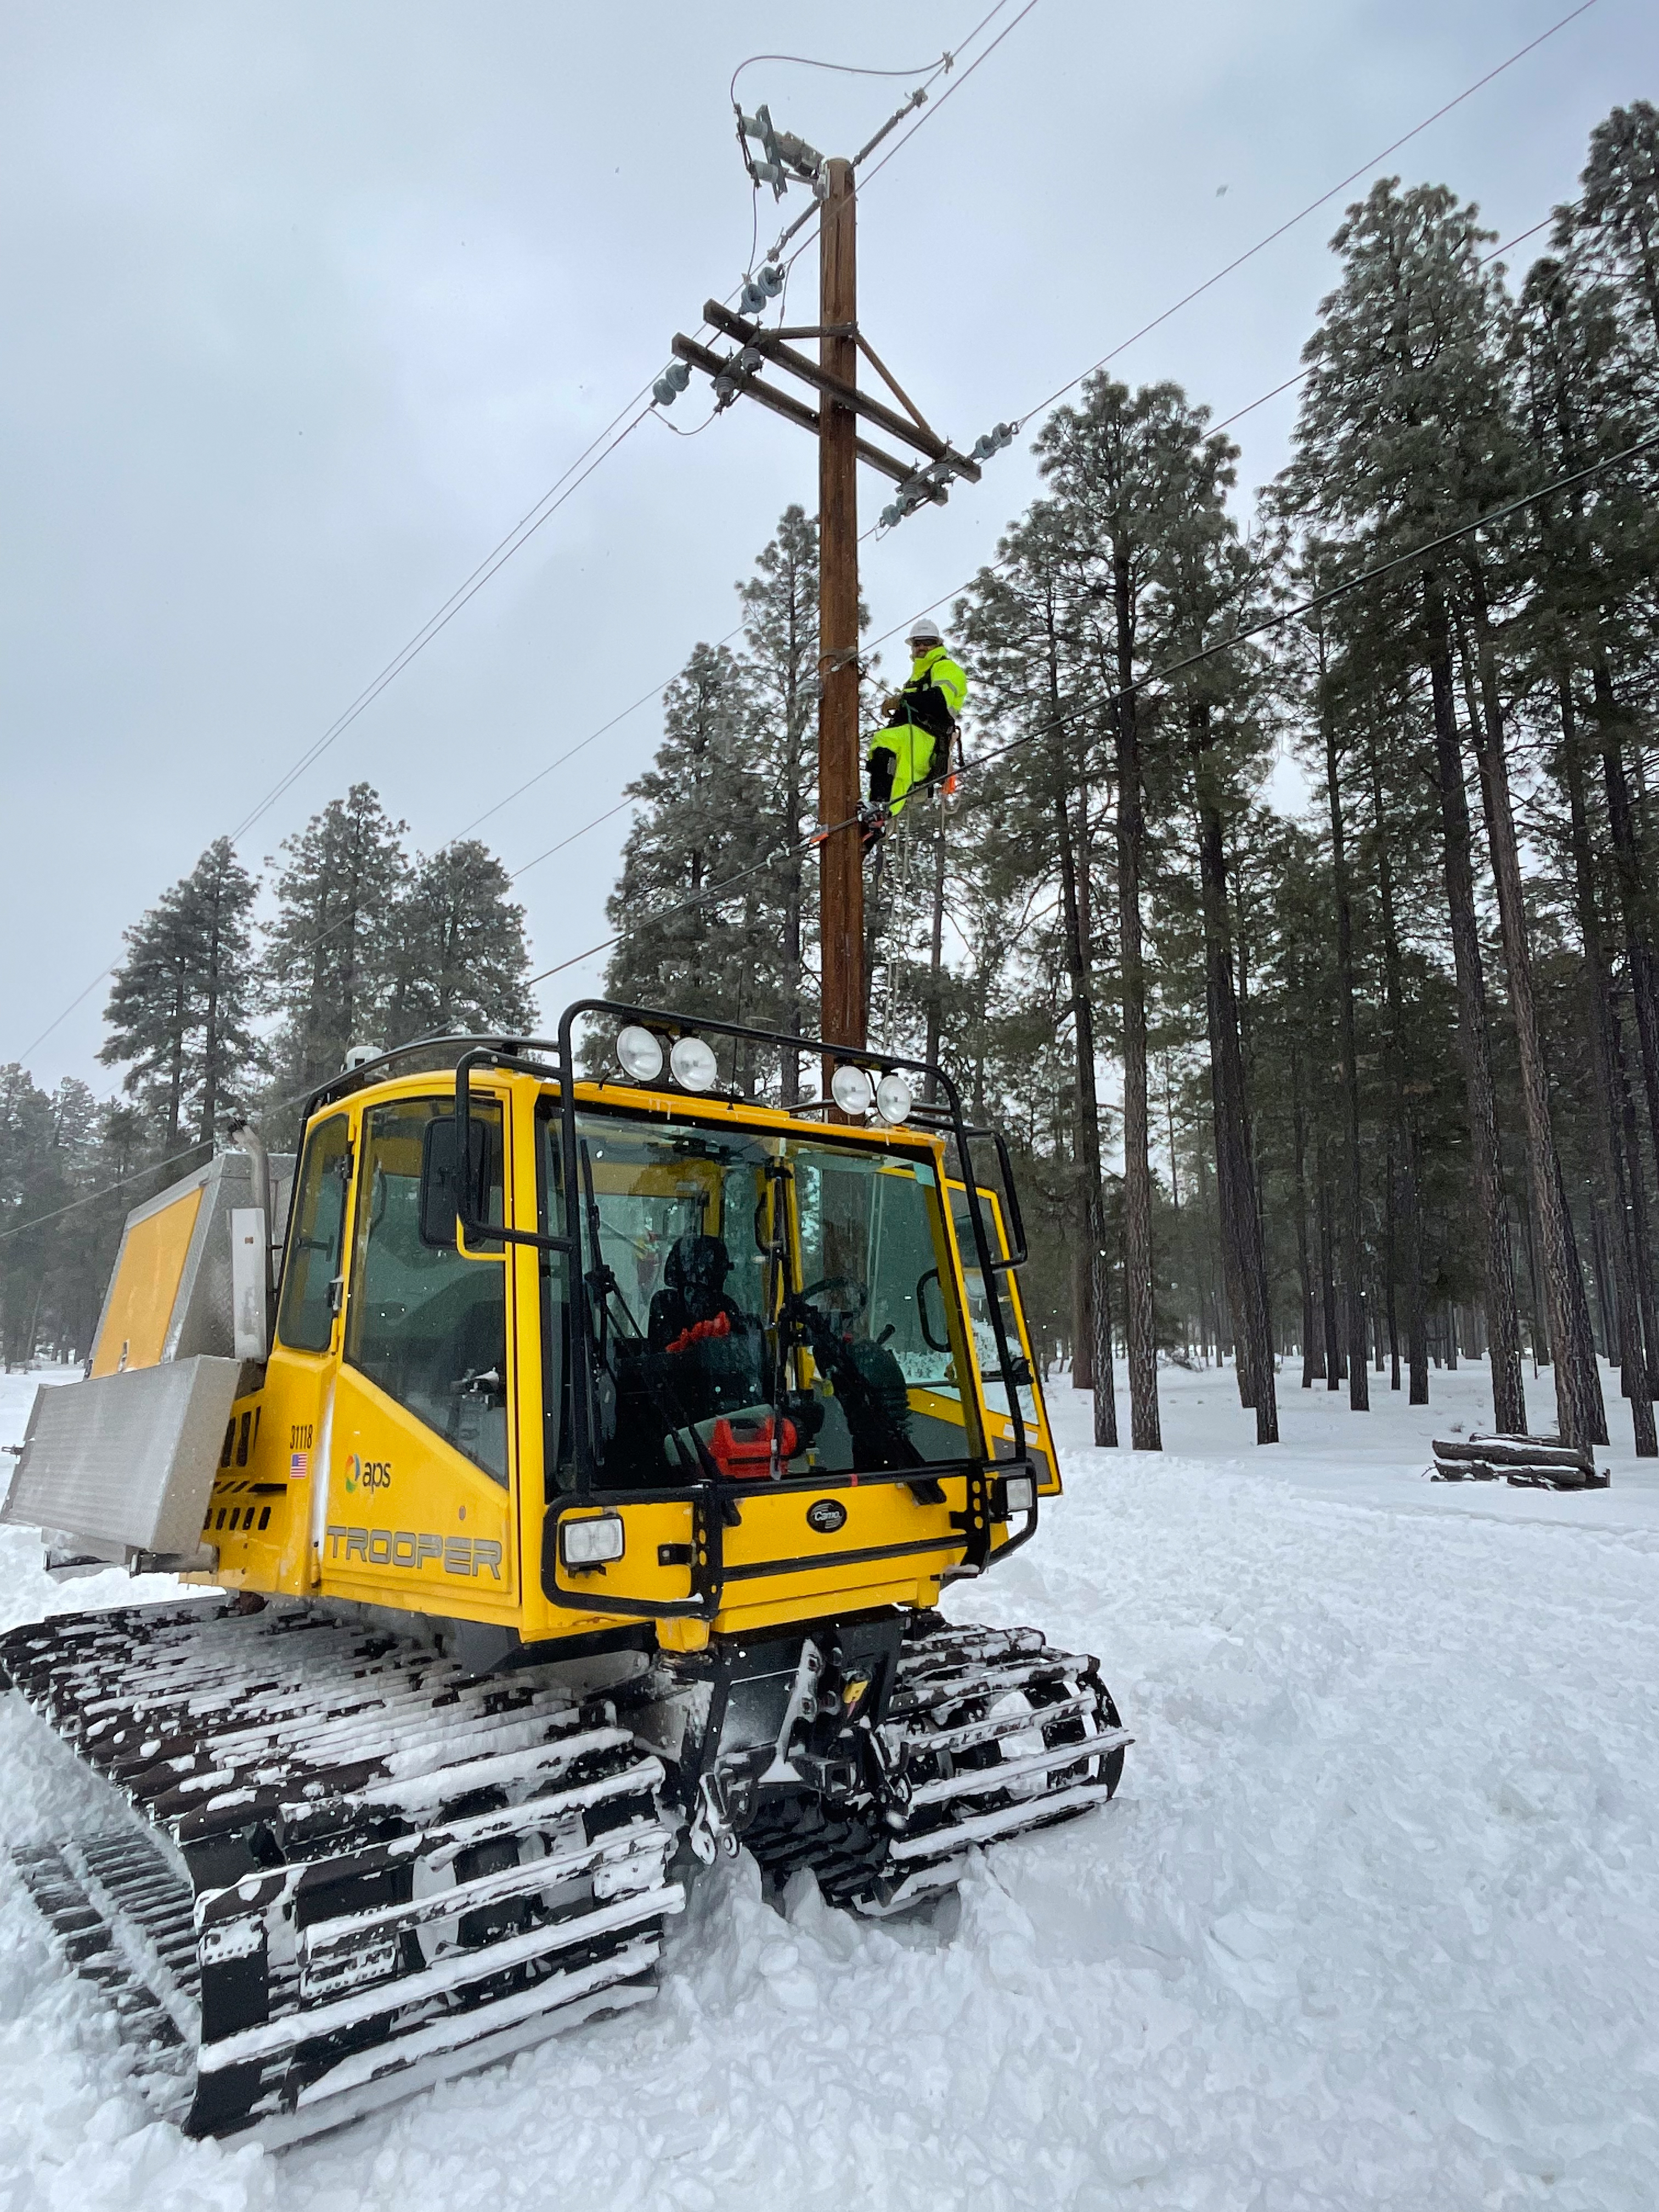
(298, 1467)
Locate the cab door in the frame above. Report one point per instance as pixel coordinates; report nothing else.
(1005, 1288)
(422, 1456)
(628, 1541)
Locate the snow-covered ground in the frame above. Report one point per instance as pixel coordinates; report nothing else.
(1374, 1921)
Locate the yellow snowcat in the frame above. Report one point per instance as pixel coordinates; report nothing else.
(583, 1516)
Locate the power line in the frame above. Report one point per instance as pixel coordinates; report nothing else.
(138, 1175)
(1225, 422)
(1260, 245)
(598, 451)
(1278, 232)
(1091, 704)
(515, 540)
(1303, 374)
(610, 812)
(840, 69)
(951, 91)
(1320, 598)
(1098, 700)
(616, 431)
(592, 737)
(102, 975)
(950, 57)
(536, 516)
(1198, 290)
(570, 840)
(518, 536)
(1313, 206)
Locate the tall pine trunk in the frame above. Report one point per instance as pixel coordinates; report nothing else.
(1391, 1263)
(1332, 1370)
(1503, 1322)
(1629, 1344)
(1631, 876)
(1354, 1233)
(1582, 1415)
(1241, 1215)
(1090, 1300)
(1410, 1199)
(176, 1059)
(789, 1073)
(1146, 1430)
(1312, 1362)
(1091, 1351)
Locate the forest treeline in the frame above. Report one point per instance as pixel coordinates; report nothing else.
(1296, 912)
(211, 1013)
(1349, 1086)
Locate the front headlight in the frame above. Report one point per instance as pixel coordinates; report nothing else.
(1019, 1494)
(591, 1542)
(692, 1063)
(638, 1052)
(852, 1089)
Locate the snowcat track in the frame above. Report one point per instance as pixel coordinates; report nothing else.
(993, 1732)
(347, 1867)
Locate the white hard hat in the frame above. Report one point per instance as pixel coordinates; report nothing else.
(924, 631)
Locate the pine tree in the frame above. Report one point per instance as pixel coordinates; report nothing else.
(1387, 444)
(1365, 1135)
(1021, 627)
(32, 1188)
(1204, 586)
(688, 943)
(458, 957)
(329, 953)
(1587, 398)
(1111, 461)
(180, 1009)
(781, 629)
(1613, 231)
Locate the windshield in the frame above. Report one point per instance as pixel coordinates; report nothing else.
(764, 1307)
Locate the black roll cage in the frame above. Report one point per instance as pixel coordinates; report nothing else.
(712, 1500)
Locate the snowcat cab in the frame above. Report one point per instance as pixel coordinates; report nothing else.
(584, 1515)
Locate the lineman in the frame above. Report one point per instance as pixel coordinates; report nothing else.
(922, 720)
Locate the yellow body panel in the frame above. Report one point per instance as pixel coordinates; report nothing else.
(640, 1573)
(147, 1273)
(329, 1485)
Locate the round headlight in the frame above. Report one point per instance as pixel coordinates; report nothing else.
(693, 1064)
(638, 1052)
(850, 1088)
(894, 1098)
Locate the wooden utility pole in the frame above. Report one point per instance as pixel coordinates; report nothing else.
(833, 378)
(841, 857)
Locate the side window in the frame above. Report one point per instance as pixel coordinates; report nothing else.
(305, 1319)
(426, 1325)
(979, 1307)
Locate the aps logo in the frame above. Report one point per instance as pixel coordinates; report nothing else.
(370, 1475)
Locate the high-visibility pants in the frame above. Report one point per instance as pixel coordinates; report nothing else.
(911, 750)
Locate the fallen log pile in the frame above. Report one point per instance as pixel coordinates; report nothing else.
(1528, 1462)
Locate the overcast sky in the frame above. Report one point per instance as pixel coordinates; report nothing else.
(303, 308)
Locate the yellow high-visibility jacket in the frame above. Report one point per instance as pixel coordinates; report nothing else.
(925, 718)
